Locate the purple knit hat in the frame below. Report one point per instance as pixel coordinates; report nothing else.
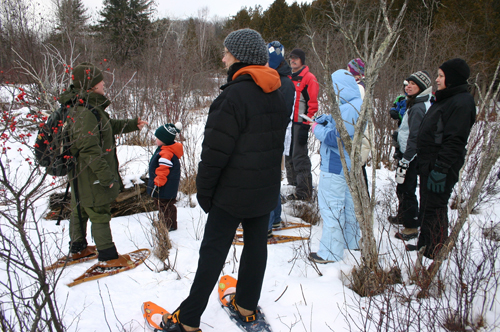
(356, 67)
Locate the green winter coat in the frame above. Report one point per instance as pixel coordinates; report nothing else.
(93, 145)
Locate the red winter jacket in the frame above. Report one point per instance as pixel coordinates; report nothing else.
(306, 94)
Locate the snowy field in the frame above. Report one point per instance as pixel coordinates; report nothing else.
(294, 296)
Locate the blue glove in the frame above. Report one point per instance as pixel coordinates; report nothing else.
(401, 107)
(322, 119)
(436, 182)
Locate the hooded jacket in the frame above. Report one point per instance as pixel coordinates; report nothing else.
(165, 171)
(240, 167)
(94, 146)
(349, 99)
(408, 131)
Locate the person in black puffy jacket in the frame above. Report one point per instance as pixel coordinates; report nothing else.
(441, 142)
(238, 177)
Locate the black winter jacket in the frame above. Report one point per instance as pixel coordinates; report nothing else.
(240, 167)
(444, 130)
(287, 87)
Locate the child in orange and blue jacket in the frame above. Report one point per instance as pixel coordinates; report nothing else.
(165, 173)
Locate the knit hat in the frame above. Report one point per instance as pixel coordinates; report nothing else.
(421, 78)
(167, 132)
(247, 46)
(456, 72)
(276, 56)
(300, 54)
(86, 76)
(356, 67)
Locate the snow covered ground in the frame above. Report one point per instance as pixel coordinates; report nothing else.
(294, 297)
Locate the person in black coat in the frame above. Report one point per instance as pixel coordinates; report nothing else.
(277, 61)
(441, 142)
(238, 177)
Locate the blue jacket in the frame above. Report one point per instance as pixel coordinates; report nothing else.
(349, 99)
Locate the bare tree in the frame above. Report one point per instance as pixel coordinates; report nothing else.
(372, 36)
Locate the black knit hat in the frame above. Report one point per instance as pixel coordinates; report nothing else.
(421, 78)
(456, 72)
(247, 46)
(300, 54)
(86, 76)
(167, 132)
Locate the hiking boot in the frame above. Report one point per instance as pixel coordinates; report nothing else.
(77, 246)
(171, 323)
(395, 220)
(108, 254)
(315, 258)
(247, 319)
(269, 233)
(411, 247)
(407, 234)
(277, 224)
(121, 261)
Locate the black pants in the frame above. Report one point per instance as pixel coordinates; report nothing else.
(298, 165)
(433, 213)
(217, 240)
(408, 204)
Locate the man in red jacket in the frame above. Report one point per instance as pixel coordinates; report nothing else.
(297, 162)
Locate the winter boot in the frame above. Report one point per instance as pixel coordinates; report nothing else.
(395, 220)
(171, 323)
(108, 254)
(77, 246)
(407, 234)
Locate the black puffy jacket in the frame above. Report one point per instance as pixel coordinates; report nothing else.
(445, 128)
(240, 167)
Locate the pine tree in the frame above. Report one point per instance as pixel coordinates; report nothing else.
(125, 26)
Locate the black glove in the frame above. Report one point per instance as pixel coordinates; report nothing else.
(394, 113)
(398, 155)
(205, 202)
(303, 134)
(395, 142)
(436, 182)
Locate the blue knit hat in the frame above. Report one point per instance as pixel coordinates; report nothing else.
(167, 132)
(276, 51)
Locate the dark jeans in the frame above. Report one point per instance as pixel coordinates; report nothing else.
(408, 204)
(167, 212)
(217, 240)
(275, 215)
(298, 165)
(433, 213)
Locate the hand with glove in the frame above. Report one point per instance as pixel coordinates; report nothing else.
(436, 182)
(322, 119)
(205, 202)
(395, 142)
(399, 108)
(403, 165)
(303, 134)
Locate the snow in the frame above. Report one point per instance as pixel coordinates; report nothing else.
(294, 296)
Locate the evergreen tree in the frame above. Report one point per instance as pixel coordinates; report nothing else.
(125, 25)
(72, 17)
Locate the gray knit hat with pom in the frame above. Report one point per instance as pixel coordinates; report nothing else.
(247, 46)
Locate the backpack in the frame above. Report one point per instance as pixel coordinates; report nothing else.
(52, 145)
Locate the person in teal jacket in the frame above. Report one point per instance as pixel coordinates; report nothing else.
(340, 227)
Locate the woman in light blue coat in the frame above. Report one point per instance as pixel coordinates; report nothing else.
(340, 227)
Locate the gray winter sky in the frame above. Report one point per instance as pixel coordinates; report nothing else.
(187, 8)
